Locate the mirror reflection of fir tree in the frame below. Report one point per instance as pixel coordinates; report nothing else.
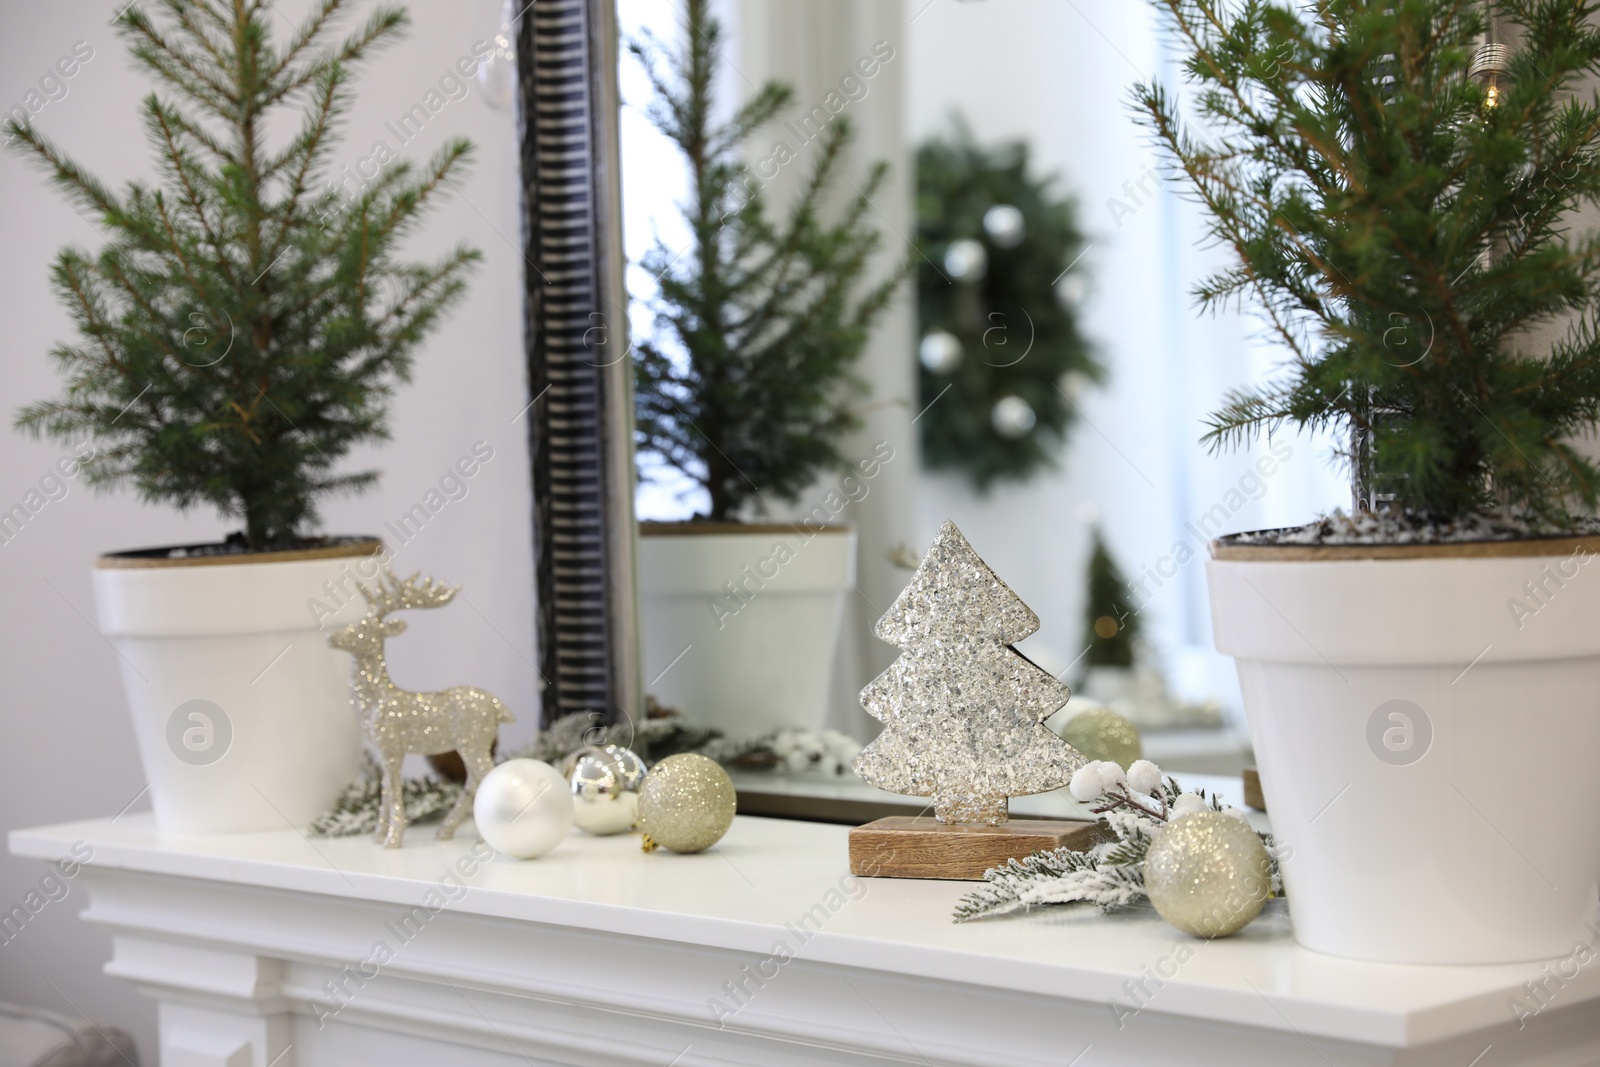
(963, 711)
(746, 385)
(1002, 356)
(1111, 626)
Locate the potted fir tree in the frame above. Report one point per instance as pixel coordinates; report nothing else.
(241, 329)
(744, 386)
(1421, 675)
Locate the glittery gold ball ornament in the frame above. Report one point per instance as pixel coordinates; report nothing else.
(686, 804)
(605, 783)
(1208, 874)
(1100, 733)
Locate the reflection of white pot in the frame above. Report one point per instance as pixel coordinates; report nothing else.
(1427, 749)
(241, 711)
(740, 623)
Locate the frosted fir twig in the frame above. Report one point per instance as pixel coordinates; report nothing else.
(1133, 808)
(356, 810)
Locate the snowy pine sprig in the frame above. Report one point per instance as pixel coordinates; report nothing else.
(356, 810)
(1133, 806)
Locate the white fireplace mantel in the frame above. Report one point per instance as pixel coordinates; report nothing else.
(263, 950)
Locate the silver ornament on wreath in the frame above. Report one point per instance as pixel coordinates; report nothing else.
(1012, 417)
(940, 351)
(604, 781)
(966, 260)
(463, 719)
(1071, 290)
(1004, 225)
(1074, 384)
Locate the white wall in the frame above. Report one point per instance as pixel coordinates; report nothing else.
(1058, 75)
(68, 748)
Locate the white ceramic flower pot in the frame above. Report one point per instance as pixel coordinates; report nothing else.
(1427, 731)
(241, 711)
(740, 624)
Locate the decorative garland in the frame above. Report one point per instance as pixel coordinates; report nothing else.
(356, 810)
(998, 291)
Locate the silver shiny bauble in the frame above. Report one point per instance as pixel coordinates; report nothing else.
(1004, 225)
(966, 260)
(1012, 417)
(605, 788)
(1208, 874)
(940, 352)
(686, 804)
(523, 808)
(630, 766)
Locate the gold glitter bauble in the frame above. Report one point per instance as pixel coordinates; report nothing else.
(1208, 874)
(686, 804)
(1101, 733)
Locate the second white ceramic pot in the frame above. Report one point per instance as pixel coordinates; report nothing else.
(740, 625)
(1427, 731)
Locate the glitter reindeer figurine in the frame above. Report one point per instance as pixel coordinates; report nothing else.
(463, 719)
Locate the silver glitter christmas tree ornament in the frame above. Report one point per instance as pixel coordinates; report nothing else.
(396, 721)
(963, 711)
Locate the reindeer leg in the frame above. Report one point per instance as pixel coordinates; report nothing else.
(392, 790)
(478, 764)
(382, 829)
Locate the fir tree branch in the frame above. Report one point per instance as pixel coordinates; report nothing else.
(384, 26)
(180, 69)
(182, 169)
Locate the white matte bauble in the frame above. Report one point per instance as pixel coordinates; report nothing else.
(1003, 223)
(966, 260)
(940, 352)
(523, 808)
(1012, 417)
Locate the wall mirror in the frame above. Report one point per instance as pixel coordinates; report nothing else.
(1038, 375)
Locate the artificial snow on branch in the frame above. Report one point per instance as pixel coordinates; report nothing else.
(1134, 807)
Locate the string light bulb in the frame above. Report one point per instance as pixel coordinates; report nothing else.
(1490, 64)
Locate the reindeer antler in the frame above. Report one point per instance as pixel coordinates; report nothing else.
(389, 593)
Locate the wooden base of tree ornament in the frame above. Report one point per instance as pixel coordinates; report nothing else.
(903, 846)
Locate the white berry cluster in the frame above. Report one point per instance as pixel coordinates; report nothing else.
(1141, 787)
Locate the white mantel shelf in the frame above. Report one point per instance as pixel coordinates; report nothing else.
(601, 955)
